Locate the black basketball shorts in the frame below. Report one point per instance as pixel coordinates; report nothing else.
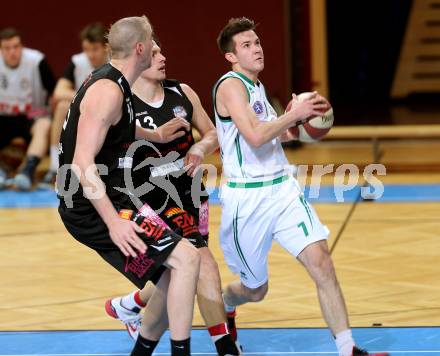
(91, 231)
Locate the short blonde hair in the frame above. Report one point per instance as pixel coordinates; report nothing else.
(125, 33)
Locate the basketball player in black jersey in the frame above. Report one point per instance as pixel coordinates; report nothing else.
(157, 101)
(99, 128)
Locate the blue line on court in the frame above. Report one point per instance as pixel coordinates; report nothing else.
(411, 193)
(391, 193)
(269, 342)
(326, 194)
(40, 198)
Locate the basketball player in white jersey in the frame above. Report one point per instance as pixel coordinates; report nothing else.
(26, 82)
(93, 56)
(261, 202)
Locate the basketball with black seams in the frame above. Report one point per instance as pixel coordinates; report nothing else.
(314, 128)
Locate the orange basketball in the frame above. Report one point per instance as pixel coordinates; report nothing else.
(314, 128)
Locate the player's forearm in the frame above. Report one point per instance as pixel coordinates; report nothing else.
(64, 94)
(94, 190)
(287, 136)
(147, 134)
(105, 209)
(267, 131)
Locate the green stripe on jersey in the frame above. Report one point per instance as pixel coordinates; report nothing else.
(239, 153)
(257, 184)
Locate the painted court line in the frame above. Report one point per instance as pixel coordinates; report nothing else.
(327, 194)
(246, 353)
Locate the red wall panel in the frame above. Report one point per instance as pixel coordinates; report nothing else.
(187, 30)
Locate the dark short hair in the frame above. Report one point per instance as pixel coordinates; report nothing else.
(8, 33)
(95, 32)
(235, 25)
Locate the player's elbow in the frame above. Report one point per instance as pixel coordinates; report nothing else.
(81, 163)
(256, 140)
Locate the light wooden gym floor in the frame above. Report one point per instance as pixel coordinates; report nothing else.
(387, 260)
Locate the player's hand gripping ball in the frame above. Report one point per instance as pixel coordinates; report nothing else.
(314, 128)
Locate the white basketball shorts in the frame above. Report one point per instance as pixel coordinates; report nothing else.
(254, 214)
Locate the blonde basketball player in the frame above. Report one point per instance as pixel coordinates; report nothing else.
(260, 201)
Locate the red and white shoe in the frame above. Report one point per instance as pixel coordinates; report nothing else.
(131, 318)
(230, 317)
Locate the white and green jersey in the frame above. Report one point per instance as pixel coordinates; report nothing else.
(242, 161)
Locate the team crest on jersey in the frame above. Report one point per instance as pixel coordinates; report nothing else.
(4, 81)
(258, 107)
(179, 111)
(24, 84)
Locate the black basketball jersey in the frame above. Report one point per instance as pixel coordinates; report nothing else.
(112, 154)
(175, 104)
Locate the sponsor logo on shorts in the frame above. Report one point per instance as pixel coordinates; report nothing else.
(203, 218)
(151, 229)
(139, 265)
(147, 212)
(173, 211)
(161, 248)
(243, 275)
(126, 214)
(165, 239)
(187, 223)
(125, 162)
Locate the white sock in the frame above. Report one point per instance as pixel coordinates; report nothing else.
(132, 301)
(53, 158)
(344, 343)
(228, 308)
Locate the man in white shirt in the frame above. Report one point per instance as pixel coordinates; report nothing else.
(94, 55)
(26, 82)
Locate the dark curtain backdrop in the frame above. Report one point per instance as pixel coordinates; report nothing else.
(364, 41)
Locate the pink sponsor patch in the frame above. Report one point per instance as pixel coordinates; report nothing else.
(204, 218)
(147, 212)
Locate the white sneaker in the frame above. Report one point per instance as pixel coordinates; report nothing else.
(239, 347)
(130, 318)
(21, 182)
